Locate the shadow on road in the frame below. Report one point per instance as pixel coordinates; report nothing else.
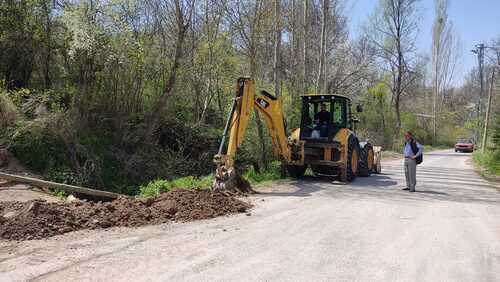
(450, 155)
(433, 192)
(433, 184)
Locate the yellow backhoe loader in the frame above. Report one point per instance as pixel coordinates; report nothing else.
(325, 141)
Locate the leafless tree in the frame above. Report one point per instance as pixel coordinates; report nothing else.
(392, 30)
(182, 13)
(277, 47)
(248, 18)
(304, 46)
(445, 46)
(321, 80)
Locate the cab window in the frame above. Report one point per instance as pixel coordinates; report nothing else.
(339, 114)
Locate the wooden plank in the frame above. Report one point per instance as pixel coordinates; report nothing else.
(59, 186)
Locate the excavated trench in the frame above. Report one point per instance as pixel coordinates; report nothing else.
(39, 219)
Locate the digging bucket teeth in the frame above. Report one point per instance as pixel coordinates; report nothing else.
(228, 179)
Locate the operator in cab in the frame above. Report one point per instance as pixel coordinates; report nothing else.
(323, 116)
(321, 121)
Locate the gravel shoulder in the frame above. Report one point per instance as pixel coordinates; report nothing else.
(304, 230)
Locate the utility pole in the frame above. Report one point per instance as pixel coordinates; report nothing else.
(487, 119)
(479, 51)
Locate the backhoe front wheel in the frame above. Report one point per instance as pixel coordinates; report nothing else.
(349, 172)
(296, 171)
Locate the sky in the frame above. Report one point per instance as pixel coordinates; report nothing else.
(475, 21)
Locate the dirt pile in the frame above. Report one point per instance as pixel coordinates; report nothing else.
(39, 219)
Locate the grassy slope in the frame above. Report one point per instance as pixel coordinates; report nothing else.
(489, 162)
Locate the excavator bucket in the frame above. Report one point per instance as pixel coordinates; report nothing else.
(228, 179)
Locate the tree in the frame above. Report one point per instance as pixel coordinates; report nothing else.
(444, 58)
(392, 30)
(183, 14)
(248, 18)
(305, 38)
(321, 80)
(277, 47)
(18, 25)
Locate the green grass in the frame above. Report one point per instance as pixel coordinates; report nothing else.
(271, 174)
(60, 194)
(158, 186)
(489, 160)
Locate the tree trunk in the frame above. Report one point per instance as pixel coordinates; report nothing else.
(322, 55)
(258, 122)
(277, 45)
(48, 50)
(157, 112)
(304, 49)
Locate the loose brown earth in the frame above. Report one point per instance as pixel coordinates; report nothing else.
(39, 219)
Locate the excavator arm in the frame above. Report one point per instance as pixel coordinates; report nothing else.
(244, 103)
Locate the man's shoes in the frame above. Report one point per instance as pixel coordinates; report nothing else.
(412, 190)
(405, 189)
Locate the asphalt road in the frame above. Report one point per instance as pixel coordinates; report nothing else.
(311, 230)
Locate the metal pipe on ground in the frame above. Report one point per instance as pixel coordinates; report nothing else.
(60, 186)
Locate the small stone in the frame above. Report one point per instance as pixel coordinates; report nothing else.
(71, 199)
(9, 215)
(248, 214)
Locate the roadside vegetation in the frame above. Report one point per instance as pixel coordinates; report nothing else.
(132, 97)
(156, 187)
(490, 159)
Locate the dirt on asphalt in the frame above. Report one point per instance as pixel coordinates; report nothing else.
(39, 219)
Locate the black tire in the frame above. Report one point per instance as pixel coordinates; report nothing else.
(296, 171)
(365, 165)
(351, 169)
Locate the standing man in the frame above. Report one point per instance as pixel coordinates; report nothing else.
(413, 156)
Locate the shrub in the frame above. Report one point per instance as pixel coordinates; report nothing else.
(496, 133)
(64, 175)
(35, 147)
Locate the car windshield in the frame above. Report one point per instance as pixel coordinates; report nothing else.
(467, 141)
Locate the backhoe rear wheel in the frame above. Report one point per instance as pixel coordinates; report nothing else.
(350, 171)
(296, 171)
(366, 158)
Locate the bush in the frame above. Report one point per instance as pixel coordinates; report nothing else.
(35, 147)
(65, 176)
(495, 138)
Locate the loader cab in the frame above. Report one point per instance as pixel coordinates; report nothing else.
(339, 116)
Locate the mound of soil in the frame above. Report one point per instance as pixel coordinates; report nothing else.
(39, 219)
